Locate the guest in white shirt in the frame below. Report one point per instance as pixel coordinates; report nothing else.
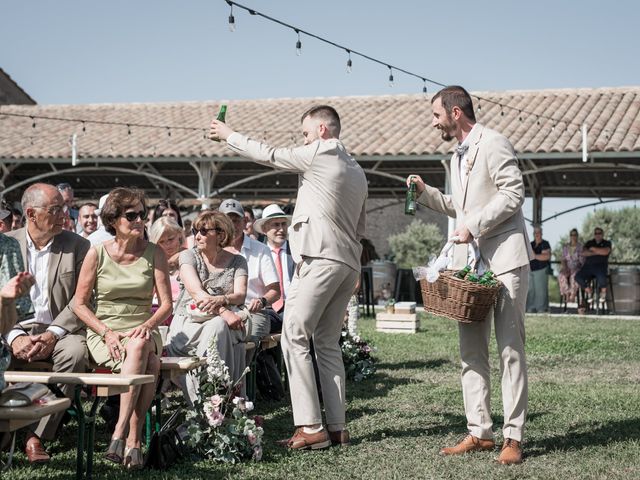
(54, 257)
(87, 219)
(263, 287)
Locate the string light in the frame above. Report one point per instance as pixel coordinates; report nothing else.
(232, 20)
(390, 76)
(349, 62)
(424, 87)
(33, 120)
(298, 44)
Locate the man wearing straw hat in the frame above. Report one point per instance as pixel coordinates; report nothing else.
(487, 193)
(327, 224)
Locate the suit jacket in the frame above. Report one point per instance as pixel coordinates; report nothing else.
(67, 254)
(488, 202)
(329, 217)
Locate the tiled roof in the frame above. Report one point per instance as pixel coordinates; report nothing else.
(394, 126)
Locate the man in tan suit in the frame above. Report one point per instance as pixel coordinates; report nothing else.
(327, 224)
(55, 334)
(487, 193)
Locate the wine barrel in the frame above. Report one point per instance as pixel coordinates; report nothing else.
(384, 278)
(626, 289)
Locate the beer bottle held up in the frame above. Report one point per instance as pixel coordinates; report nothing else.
(410, 200)
(221, 118)
(462, 273)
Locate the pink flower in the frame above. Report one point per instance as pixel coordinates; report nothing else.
(215, 418)
(216, 401)
(252, 438)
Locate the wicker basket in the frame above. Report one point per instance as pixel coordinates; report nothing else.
(458, 299)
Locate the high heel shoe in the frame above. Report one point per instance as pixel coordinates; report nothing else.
(115, 452)
(133, 458)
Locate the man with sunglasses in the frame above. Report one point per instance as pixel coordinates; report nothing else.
(596, 264)
(55, 334)
(327, 225)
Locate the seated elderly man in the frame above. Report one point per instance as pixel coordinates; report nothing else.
(55, 333)
(596, 264)
(263, 287)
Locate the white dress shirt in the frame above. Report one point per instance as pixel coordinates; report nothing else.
(38, 266)
(286, 280)
(262, 270)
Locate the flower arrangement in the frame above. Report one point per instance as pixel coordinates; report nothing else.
(218, 425)
(357, 358)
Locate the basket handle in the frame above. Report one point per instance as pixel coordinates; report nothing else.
(452, 241)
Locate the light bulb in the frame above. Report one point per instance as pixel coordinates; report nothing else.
(391, 79)
(298, 47)
(349, 65)
(232, 23)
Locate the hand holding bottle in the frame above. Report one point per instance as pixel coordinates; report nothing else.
(420, 185)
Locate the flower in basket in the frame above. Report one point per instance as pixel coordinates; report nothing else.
(357, 358)
(219, 426)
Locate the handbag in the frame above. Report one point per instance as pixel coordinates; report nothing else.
(165, 447)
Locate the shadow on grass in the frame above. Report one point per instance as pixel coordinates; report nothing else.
(452, 423)
(378, 386)
(414, 364)
(596, 434)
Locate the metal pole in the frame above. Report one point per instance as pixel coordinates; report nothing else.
(585, 153)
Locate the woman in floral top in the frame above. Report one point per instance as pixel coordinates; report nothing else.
(571, 262)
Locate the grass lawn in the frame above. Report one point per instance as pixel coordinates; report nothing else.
(584, 414)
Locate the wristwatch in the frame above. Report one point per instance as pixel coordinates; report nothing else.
(264, 302)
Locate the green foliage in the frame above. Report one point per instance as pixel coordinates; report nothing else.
(416, 244)
(621, 228)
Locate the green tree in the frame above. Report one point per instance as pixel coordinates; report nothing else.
(416, 244)
(621, 228)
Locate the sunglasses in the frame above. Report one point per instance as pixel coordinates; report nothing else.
(203, 231)
(132, 216)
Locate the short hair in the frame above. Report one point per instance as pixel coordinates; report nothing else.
(118, 201)
(33, 196)
(598, 229)
(164, 225)
(249, 210)
(216, 219)
(328, 115)
(64, 186)
(87, 204)
(456, 96)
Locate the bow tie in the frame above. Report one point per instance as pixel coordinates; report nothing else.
(461, 150)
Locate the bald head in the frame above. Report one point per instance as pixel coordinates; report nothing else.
(38, 194)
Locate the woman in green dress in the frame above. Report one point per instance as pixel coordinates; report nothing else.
(122, 274)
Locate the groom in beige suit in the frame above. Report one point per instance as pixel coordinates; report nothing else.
(487, 193)
(325, 231)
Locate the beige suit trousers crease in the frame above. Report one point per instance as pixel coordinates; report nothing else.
(316, 304)
(474, 352)
(69, 355)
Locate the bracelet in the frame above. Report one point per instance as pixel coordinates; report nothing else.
(226, 300)
(104, 332)
(221, 310)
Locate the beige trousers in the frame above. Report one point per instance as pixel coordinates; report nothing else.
(69, 355)
(316, 304)
(474, 352)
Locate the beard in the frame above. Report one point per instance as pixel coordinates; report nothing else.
(446, 129)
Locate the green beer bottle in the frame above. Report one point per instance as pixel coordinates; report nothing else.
(487, 278)
(410, 200)
(472, 277)
(462, 273)
(221, 117)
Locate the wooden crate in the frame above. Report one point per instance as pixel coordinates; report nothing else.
(397, 322)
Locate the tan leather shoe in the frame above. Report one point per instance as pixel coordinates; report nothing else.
(305, 441)
(340, 437)
(511, 453)
(35, 451)
(469, 444)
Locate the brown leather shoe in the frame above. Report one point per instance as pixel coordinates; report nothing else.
(340, 437)
(305, 441)
(469, 444)
(511, 453)
(35, 451)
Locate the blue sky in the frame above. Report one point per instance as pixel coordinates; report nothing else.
(74, 52)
